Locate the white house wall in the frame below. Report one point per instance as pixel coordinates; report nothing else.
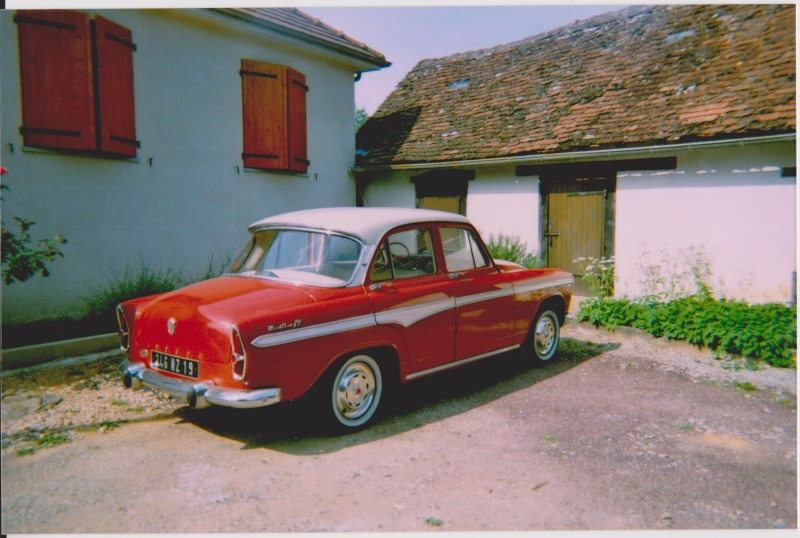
(499, 203)
(731, 204)
(186, 200)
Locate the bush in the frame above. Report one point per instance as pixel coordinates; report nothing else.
(763, 332)
(99, 316)
(512, 249)
(131, 285)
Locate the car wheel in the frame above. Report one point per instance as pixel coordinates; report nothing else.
(356, 392)
(542, 341)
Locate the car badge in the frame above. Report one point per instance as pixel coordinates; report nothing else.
(171, 326)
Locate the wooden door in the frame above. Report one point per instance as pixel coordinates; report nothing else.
(451, 204)
(575, 228)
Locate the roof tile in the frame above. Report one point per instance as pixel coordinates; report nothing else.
(640, 76)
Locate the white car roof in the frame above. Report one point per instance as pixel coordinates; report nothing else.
(367, 223)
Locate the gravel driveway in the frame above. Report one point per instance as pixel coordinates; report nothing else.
(624, 432)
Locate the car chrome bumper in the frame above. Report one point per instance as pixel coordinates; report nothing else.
(200, 394)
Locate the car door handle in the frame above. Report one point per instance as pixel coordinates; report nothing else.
(455, 276)
(382, 286)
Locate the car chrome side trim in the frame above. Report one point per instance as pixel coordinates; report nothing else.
(314, 331)
(486, 296)
(405, 316)
(449, 365)
(409, 315)
(542, 285)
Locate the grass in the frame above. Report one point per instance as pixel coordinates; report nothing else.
(433, 522)
(746, 386)
(98, 314)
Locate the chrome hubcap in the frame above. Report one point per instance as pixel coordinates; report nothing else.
(545, 335)
(355, 390)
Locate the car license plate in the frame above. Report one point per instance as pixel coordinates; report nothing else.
(176, 365)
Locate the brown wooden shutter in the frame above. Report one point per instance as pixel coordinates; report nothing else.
(264, 115)
(56, 77)
(115, 88)
(298, 145)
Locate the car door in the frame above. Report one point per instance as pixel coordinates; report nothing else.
(410, 292)
(484, 297)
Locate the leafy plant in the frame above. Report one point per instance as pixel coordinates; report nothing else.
(675, 275)
(131, 285)
(361, 117)
(759, 332)
(513, 249)
(599, 274)
(21, 258)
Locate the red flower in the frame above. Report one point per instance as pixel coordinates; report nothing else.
(3, 170)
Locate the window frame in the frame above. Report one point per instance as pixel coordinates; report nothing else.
(474, 243)
(385, 245)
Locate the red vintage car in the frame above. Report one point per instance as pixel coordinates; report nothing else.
(339, 303)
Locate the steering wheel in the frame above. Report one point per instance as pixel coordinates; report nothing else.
(392, 245)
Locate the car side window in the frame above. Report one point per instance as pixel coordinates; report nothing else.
(405, 254)
(461, 250)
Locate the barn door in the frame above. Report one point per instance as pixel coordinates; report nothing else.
(575, 227)
(441, 203)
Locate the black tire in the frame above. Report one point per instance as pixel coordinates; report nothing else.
(354, 393)
(542, 342)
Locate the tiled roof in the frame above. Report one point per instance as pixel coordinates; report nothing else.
(638, 77)
(292, 21)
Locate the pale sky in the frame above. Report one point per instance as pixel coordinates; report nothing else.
(406, 35)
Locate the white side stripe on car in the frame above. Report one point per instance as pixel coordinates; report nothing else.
(405, 316)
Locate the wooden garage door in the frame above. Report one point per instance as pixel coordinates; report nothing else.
(575, 228)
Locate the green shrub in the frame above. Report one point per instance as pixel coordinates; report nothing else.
(131, 285)
(512, 249)
(762, 331)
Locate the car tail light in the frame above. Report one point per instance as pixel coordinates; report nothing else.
(124, 331)
(238, 354)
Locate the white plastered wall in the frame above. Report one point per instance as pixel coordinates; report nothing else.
(186, 200)
(499, 203)
(730, 204)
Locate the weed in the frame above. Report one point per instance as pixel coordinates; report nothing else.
(140, 409)
(106, 425)
(433, 522)
(41, 439)
(512, 249)
(118, 403)
(747, 386)
(599, 275)
(549, 439)
(142, 282)
(675, 275)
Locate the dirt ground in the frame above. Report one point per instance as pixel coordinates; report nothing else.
(622, 432)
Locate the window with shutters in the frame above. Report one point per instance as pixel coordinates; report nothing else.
(274, 117)
(76, 76)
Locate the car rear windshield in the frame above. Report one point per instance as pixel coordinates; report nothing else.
(300, 256)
